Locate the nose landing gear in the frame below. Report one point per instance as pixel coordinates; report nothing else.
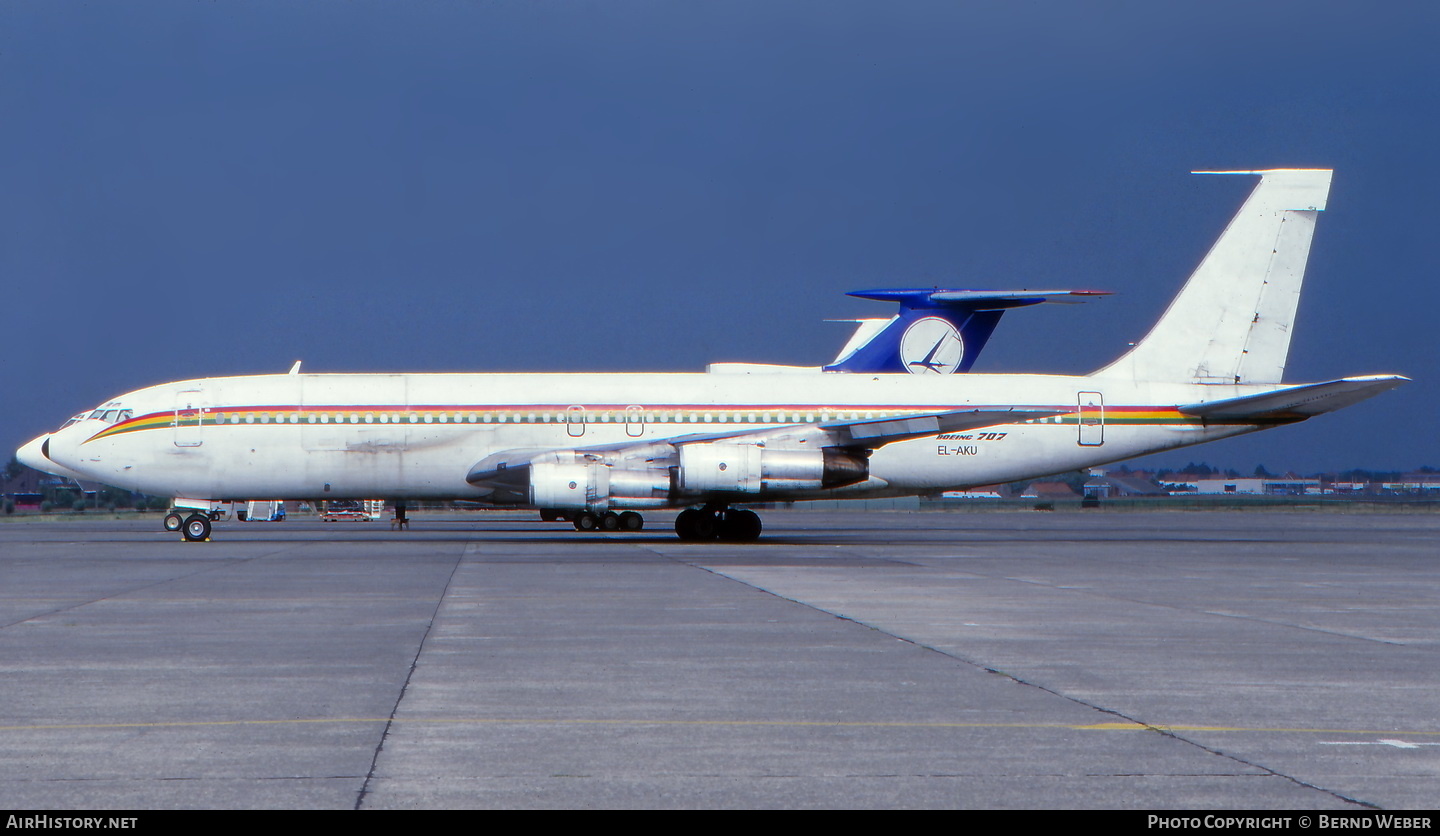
(196, 528)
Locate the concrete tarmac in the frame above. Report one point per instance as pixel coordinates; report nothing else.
(1158, 660)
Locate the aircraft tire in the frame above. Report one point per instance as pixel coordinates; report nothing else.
(631, 521)
(196, 528)
(685, 524)
(742, 526)
(695, 525)
(173, 521)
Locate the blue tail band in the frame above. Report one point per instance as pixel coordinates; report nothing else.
(939, 331)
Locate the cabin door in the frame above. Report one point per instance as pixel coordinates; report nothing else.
(1091, 416)
(191, 412)
(575, 421)
(634, 421)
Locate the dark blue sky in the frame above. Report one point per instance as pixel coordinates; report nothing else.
(197, 189)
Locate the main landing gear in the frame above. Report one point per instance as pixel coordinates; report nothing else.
(608, 521)
(696, 525)
(736, 525)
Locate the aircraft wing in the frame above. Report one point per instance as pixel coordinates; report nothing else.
(881, 431)
(1297, 401)
(498, 468)
(869, 433)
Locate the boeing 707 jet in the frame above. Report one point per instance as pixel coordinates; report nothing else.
(897, 413)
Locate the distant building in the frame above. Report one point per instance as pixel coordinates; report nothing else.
(980, 492)
(973, 493)
(1049, 490)
(1257, 486)
(1415, 483)
(1110, 487)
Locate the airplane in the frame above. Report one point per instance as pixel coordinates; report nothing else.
(603, 448)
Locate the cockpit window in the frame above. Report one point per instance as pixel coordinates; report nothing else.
(75, 420)
(109, 416)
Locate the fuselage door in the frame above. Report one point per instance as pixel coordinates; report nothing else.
(1091, 416)
(575, 421)
(634, 421)
(191, 412)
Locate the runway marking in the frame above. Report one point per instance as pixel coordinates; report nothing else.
(497, 721)
(1398, 744)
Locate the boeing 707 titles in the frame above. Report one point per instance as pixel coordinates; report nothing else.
(896, 414)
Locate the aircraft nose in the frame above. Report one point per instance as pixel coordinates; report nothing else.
(33, 454)
(36, 454)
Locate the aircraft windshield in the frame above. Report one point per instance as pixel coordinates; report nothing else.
(108, 414)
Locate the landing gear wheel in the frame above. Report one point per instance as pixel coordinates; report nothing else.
(742, 526)
(631, 521)
(587, 521)
(610, 521)
(173, 521)
(197, 528)
(696, 525)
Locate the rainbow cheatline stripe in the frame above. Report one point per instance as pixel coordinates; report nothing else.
(475, 414)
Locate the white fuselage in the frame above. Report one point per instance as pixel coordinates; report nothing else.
(403, 436)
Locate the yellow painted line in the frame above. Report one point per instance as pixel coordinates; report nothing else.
(496, 721)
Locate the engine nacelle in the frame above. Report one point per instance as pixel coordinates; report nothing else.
(750, 468)
(566, 486)
(556, 485)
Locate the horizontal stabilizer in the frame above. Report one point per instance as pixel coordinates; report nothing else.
(1300, 401)
(995, 300)
(976, 300)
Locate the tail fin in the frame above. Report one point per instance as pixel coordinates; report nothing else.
(936, 331)
(1231, 322)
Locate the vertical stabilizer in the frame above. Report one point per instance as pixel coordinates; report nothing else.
(1232, 320)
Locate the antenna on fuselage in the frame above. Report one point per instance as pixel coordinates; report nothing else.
(295, 369)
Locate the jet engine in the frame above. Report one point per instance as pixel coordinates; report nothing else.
(750, 468)
(597, 486)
